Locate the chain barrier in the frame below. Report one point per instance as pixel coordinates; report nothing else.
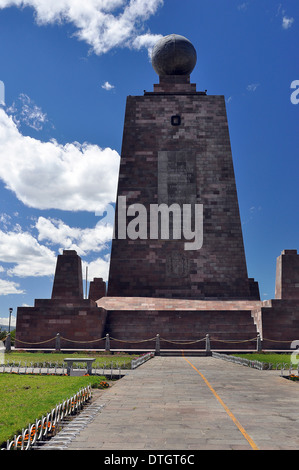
(38, 342)
(232, 341)
(83, 341)
(133, 341)
(276, 341)
(178, 342)
(182, 342)
(48, 425)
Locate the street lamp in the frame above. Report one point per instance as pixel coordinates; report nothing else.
(10, 312)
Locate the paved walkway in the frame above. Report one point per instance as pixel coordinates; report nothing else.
(191, 403)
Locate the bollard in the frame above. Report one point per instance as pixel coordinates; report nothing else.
(57, 345)
(107, 343)
(208, 345)
(157, 351)
(8, 343)
(258, 343)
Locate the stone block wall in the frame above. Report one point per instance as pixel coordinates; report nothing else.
(78, 321)
(287, 275)
(176, 150)
(79, 325)
(181, 329)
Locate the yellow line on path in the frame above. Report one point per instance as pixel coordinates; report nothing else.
(230, 414)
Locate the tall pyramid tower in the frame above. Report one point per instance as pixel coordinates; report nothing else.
(176, 151)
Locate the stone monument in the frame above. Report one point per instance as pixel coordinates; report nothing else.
(176, 153)
(178, 267)
(77, 320)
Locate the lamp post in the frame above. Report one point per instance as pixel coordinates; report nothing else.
(10, 312)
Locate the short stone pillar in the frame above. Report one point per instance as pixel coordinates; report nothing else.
(157, 351)
(8, 343)
(107, 343)
(208, 345)
(57, 344)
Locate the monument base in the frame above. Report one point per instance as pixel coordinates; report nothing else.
(80, 324)
(134, 322)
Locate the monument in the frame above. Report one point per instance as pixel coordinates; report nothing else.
(76, 319)
(178, 266)
(176, 154)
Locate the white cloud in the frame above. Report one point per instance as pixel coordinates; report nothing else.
(287, 22)
(25, 111)
(9, 287)
(28, 257)
(98, 268)
(5, 321)
(47, 175)
(146, 41)
(73, 238)
(107, 86)
(5, 220)
(94, 19)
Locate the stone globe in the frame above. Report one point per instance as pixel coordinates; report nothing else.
(174, 55)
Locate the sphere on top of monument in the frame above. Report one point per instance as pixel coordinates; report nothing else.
(174, 55)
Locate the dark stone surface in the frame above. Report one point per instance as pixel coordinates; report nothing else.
(189, 163)
(174, 55)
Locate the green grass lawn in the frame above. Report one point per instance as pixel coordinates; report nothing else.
(117, 360)
(25, 398)
(275, 359)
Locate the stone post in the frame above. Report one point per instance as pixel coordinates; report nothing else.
(208, 345)
(157, 352)
(8, 343)
(107, 343)
(57, 345)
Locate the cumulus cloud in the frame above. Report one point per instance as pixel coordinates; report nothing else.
(107, 86)
(83, 241)
(5, 321)
(146, 41)
(98, 268)
(47, 175)
(27, 256)
(103, 24)
(8, 288)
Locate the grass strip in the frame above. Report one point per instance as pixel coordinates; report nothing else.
(269, 358)
(18, 357)
(25, 398)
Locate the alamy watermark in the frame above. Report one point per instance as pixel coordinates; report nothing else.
(159, 222)
(295, 94)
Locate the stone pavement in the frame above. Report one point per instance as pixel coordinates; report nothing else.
(192, 403)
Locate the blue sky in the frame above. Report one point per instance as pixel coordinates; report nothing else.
(67, 67)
